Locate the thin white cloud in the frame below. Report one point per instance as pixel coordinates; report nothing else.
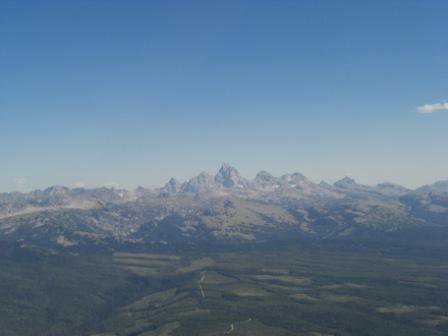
(21, 181)
(431, 108)
(80, 184)
(111, 184)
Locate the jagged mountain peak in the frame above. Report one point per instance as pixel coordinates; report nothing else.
(345, 182)
(293, 178)
(229, 177)
(173, 181)
(264, 176)
(56, 190)
(203, 174)
(227, 169)
(264, 179)
(388, 188)
(141, 191)
(389, 185)
(439, 186)
(173, 186)
(324, 184)
(200, 183)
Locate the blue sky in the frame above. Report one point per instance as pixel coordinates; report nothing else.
(131, 93)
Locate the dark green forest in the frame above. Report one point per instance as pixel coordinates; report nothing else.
(282, 288)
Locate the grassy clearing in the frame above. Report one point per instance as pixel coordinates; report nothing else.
(141, 262)
(405, 309)
(156, 298)
(164, 330)
(197, 265)
(278, 271)
(254, 327)
(214, 278)
(245, 290)
(339, 298)
(344, 286)
(194, 312)
(168, 257)
(435, 322)
(398, 309)
(285, 279)
(282, 288)
(140, 270)
(303, 297)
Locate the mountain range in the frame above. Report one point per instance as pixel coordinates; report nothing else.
(221, 208)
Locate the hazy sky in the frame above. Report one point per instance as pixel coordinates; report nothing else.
(134, 92)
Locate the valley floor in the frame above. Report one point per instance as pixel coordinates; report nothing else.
(275, 289)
